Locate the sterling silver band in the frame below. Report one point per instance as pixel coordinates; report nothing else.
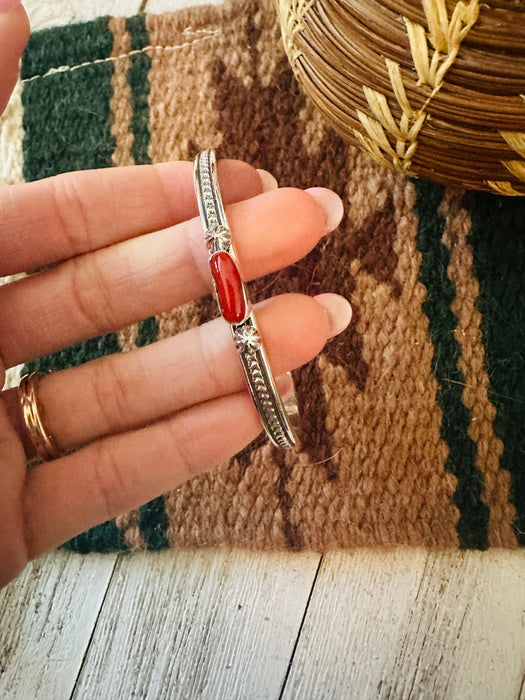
(279, 418)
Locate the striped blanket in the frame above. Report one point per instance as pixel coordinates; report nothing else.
(413, 419)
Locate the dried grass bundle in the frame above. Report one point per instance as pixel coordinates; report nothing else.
(432, 88)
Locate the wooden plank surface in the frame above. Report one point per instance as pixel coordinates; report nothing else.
(47, 618)
(198, 624)
(411, 625)
(214, 624)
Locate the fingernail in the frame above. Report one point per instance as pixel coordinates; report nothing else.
(338, 310)
(268, 181)
(331, 203)
(5, 4)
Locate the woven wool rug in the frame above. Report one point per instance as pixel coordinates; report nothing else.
(413, 419)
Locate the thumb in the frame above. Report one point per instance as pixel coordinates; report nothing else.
(14, 33)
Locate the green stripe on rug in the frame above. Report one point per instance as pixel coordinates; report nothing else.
(103, 538)
(67, 115)
(67, 124)
(138, 80)
(70, 45)
(473, 522)
(76, 354)
(153, 523)
(498, 242)
(153, 519)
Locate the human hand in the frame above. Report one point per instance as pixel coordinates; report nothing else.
(115, 246)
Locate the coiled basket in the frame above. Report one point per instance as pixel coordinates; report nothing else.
(432, 88)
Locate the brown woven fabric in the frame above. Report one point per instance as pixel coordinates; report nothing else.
(402, 444)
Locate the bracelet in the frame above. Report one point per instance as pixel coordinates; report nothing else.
(279, 418)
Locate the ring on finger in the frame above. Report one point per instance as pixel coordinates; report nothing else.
(43, 442)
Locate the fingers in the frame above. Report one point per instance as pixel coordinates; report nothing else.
(120, 472)
(111, 288)
(14, 33)
(126, 391)
(61, 217)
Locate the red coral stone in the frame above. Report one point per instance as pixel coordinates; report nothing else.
(229, 287)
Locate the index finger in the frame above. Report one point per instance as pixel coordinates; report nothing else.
(51, 220)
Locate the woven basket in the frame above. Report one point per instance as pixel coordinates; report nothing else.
(434, 89)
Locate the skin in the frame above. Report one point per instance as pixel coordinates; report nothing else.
(124, 244)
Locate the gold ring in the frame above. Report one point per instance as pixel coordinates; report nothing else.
(43, 442)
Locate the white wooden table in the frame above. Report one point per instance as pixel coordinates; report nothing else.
(236, 625)
(229, 624)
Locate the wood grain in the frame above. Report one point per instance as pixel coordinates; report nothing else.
(47, 617)
(198, 624)
(407, 624)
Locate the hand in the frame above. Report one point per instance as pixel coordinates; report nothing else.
(115, 246)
